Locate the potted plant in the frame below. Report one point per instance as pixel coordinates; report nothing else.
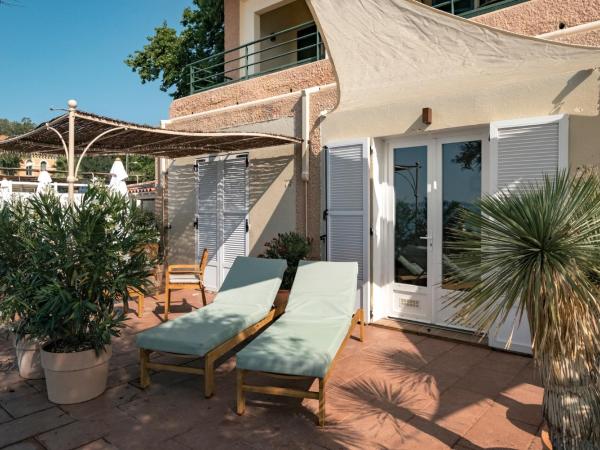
(293, 247)
(536, 251)
(79, 261)
(13, 218)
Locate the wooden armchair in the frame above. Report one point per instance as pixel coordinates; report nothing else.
(185, 276)
(133, 293)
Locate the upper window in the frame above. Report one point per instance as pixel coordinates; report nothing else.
(43, 165)
(29, 167)
(470, 8)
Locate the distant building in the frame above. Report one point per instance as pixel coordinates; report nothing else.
(30, 165)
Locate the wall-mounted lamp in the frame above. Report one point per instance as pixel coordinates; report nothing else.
(427, 116)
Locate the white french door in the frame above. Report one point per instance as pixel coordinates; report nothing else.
(433, 177)
(222, 213)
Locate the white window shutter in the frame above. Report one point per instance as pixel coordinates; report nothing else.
(235, 208)
(207, 233)
(524, 151)
(348, 209)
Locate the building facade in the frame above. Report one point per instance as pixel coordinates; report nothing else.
(276, 76)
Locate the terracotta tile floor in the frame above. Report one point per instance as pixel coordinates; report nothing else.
(396, 391)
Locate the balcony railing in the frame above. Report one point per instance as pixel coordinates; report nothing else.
(472, 8)
(300, 44)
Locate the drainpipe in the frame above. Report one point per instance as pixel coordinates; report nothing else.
(582, 28)
(306, 126)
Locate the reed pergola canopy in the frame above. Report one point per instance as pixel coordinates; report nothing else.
(79, 133)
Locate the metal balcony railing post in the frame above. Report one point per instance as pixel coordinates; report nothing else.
(318, 46)
(247, 63)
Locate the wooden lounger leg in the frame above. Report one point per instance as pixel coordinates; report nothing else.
(322, 402)
(241, 396)
(140, 311)
(144, 374)
(167, 303)
(362, 325)
(203, 295)
(209, 376)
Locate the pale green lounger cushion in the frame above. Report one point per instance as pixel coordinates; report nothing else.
(246, 296)
(307, 337)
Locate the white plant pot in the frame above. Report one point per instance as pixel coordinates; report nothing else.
(29, 359)
(75, 377)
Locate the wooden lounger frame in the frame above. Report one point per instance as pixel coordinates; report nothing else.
(242, 388)
(211, 357)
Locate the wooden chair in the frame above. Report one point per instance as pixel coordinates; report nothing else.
(185, 276)
(133, 293)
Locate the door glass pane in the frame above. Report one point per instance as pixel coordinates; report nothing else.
(410, 186)
(461, 187)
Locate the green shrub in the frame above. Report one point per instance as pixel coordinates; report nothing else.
(292, 247)
(70, 264)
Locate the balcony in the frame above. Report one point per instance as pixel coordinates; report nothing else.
(294, 46)
(471, 8)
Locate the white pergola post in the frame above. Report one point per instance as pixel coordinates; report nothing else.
(71, 178)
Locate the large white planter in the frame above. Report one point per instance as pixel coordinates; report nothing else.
(75, 377)
(29, 359)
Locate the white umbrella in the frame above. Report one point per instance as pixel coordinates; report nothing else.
(118, 177)
(44, 182)
(5, 190)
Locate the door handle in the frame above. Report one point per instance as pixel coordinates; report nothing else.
(429, 240)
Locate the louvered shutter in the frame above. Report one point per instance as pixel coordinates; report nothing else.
(522, 152)
(235, 209)
(207, 233)
(527, 149)
(348, 210)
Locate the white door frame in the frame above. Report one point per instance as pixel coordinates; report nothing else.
(431, 295)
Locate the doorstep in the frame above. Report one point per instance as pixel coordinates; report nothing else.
(426, 329)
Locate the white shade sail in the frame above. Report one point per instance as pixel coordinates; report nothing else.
(387, 51)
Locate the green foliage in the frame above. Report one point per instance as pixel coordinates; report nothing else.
(13, 128)
(142, 166)
(167, 53)
(536, 250)
(68, 265)
(292, 247)
(9, 160)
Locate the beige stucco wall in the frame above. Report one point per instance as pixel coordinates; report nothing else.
(542, 16)
(576, 94)
(287, 16)
(272, 194)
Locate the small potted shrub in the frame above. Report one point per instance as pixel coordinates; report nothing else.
(293, 247)
(80, 260)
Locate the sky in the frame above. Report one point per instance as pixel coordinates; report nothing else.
(54, 50)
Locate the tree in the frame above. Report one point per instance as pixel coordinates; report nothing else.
(168, 53)
(13, 128)
(536, 251)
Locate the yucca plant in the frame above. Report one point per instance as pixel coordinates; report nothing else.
(536, 249)
(71, 264)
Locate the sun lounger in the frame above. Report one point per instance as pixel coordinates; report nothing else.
(243, 306)
(305, 341)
